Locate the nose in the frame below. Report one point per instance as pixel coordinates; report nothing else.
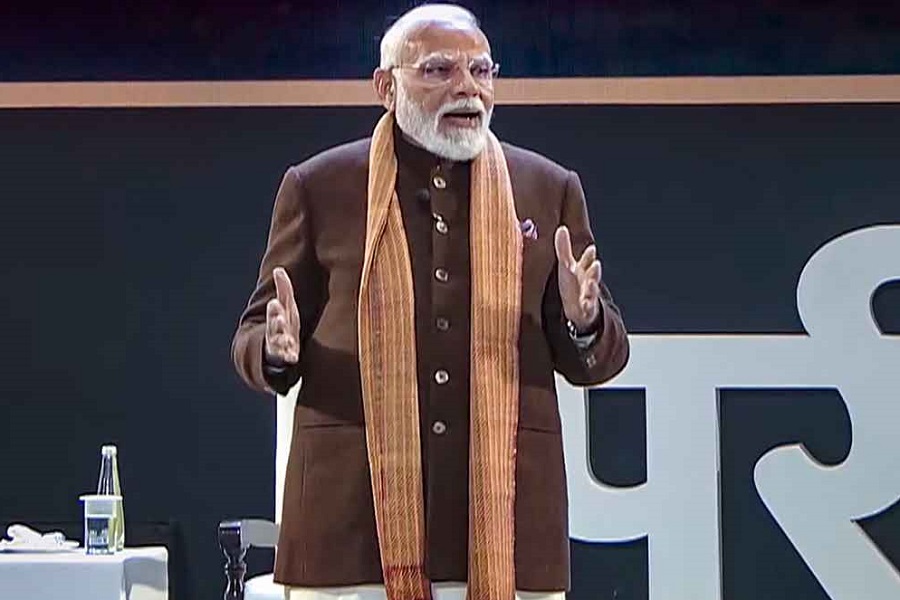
(464, 84)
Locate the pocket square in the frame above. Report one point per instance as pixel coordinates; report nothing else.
(529, 229)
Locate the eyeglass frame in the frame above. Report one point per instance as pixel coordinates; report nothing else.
(494, 70)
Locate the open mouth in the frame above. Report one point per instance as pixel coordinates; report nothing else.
(463, 118)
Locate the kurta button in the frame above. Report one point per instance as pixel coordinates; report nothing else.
(590, 361)
(440, 224)
(439, 182)
(442, 324)
(423, 196)
(441, 275)
(439, 427)
(441, 376)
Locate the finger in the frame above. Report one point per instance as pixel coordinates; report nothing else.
(274, 309)
(593, 271)
(282, 352)
(588, 294)
(292, 354)
(590, 300)
(276, 336)
(283, 288)
(276, 320)
(588, 257)
(591, 290)
(278, 325)
(286, 347)
(590, 310)
(282, 346)
(563, 244)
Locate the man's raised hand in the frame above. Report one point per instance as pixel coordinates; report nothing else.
(283, 321)
(579, 281)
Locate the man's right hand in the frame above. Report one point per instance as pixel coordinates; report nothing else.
(282, 321)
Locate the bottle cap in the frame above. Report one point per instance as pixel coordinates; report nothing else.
(108, 450)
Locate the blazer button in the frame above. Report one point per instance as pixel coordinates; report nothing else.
(439, 182)
(442, 324)
(441, 377)
(439, 427)
(441, 275)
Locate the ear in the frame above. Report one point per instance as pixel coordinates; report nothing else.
(383, 82)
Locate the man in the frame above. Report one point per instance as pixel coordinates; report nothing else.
(411, 281)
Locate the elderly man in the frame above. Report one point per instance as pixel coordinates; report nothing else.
(424, 284)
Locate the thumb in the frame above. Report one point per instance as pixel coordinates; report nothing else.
(563, 244)
(283, 288)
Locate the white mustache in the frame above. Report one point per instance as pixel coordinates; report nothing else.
(473, 104)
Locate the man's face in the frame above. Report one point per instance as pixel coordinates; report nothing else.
(445, 94)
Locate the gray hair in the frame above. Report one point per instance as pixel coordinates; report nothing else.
(394, 38)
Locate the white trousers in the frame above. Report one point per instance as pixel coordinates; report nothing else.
(441, 591)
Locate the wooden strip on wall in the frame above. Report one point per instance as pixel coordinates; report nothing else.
(586, 90)
(702, 90)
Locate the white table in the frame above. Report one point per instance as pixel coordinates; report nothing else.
(132, 574)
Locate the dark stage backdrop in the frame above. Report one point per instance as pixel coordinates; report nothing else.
(130, 239)
(43, 40)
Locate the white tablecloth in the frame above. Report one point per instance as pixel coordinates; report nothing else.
(439, 591)
(132, 574)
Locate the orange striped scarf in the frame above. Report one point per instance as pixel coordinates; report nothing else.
(387, 350)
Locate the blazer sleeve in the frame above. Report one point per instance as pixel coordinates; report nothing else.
(608, 353)
(290, 245)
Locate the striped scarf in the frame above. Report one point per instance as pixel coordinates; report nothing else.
(387, 350)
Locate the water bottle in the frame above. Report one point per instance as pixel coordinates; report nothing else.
(109, 485)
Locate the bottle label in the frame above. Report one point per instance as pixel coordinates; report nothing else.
(97, 535)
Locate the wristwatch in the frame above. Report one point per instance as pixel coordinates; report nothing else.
(582, 340)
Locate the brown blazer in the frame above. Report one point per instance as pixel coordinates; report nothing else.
(328, 535)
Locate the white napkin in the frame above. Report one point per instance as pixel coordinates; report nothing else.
(22, 536)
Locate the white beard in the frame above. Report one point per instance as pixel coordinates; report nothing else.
(459, 143)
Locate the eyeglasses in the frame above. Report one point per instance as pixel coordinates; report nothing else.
(441, 71)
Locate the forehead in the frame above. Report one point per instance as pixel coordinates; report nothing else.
(442, 37)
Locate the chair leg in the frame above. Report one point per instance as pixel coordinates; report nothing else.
(235, 568)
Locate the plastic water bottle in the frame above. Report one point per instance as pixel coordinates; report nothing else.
(109, 485)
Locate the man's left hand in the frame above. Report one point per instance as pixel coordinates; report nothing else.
(579, 282)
